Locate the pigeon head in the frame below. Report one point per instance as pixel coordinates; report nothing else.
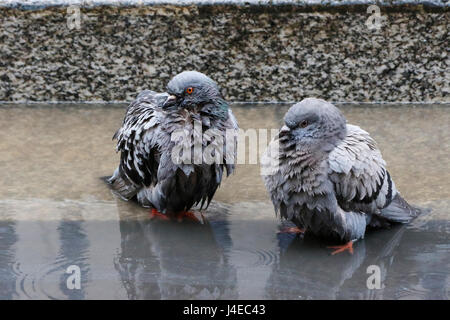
(192, 89)
(314, 125)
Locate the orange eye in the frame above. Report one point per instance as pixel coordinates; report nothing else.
(189, 90)
(304, 124)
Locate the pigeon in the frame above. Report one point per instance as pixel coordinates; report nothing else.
(163, 142)
(329, 178)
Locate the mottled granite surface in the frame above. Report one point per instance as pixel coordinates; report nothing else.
(90, 3)
(255, 53)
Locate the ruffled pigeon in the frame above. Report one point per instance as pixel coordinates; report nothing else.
(329, 177)
(162, 143)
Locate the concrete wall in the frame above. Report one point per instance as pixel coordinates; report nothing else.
(255, 52)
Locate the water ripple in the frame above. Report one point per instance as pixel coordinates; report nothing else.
(248, 258)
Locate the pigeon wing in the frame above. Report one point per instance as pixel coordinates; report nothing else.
(360, 179)
(139, 142)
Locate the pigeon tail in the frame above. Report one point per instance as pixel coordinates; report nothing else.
(121, 186)
(400, 211)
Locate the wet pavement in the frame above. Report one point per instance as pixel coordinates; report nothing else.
(56, 212)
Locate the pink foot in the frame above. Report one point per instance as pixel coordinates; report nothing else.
(348, 246)
(187, 215)
(155, 214)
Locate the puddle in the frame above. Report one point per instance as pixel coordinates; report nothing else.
(55, 212)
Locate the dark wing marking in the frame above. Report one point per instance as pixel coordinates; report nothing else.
(356, 168)
(360, 178)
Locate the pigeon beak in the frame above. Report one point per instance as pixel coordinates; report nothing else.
(170, 101)
(284, 129)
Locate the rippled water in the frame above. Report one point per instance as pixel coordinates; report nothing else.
(55, 212)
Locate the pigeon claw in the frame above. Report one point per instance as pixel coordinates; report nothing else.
(155, 214)
(295, 230)
(187, 215)
(348, 246)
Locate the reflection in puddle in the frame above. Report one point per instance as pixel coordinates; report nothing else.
(230, 256)
(55, 212)
(171, 260)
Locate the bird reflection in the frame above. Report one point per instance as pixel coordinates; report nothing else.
(306, 270)
(73, 251)
(8, 240)
(173, 260)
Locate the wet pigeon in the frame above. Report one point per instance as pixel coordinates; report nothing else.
(329, 177)
(162, 143)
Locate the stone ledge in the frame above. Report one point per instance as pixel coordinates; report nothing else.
(39, 4)
(255, 55)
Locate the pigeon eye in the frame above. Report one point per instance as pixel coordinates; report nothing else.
(189, 90)
(304, 124)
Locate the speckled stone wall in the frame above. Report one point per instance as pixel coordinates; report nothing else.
(265, 53)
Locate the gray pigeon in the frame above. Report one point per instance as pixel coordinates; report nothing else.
(152, 169)
(329, 177)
